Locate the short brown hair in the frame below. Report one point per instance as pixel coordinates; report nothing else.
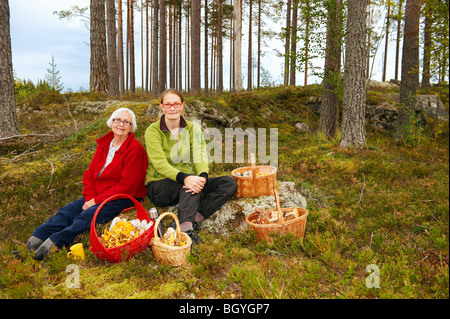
(171, 91)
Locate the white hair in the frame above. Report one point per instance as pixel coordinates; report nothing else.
(119, 111)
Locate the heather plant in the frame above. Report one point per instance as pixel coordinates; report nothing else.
(385, 204)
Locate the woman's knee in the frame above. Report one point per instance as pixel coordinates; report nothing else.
(230, 184)
(164, 192)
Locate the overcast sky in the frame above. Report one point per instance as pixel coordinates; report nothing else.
(37, 34)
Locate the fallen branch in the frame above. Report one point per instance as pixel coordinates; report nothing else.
(362, 190)
(371, 239)
(421, 201)
(25, 152)
(53, 169)
(23, 135)
(74, 122)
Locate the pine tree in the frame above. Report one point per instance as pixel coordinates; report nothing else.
(99, 68)
(53, 78)
(237, 38)
(8, 124)
(329, 112)
(195, 45)
(410, 66)
(113, 71)
(354, 104)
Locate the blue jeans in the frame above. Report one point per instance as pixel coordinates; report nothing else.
(71, 220)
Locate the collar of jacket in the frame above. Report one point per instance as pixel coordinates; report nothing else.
(163, 126)
(105, 140)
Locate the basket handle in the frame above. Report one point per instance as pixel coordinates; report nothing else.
(158, 220)
(114, 197)
(253, 162)
(277, 201)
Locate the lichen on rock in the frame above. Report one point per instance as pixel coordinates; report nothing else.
(232, 214)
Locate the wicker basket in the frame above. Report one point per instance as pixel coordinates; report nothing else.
(125, 251)
(253, 186)
(295, 226)
(169, 255)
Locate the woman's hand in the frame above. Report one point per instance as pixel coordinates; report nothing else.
(88, 204)
(194, 184)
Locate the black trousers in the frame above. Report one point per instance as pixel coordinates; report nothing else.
(216, 192)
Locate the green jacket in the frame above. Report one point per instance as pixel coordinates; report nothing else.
(168, 157)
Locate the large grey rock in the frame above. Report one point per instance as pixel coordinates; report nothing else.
(432, 105)
(384, 115)
(381, 86)
(232, 214)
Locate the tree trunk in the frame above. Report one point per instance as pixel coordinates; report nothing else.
(206, 47)
(410, 65)
(99, 67)
(427, 47)
(162, 46)
(369, 43)
(354, 104)
(131, 44)
(180, 60)
(127, 62)
(214, 62)
(307, 41)
(232, 53)
(397, 48)
(187, 57)
(155, 49)
(287, 34)
(329, 113)
(258, 68)
(293, 52)
(249, 59)
(237, 22)
(8, 123)
(171, 48)
(147, 53)
(142, 47)
(113, 74)
(386, 44)
(195, 45)
(120, 49)
(219, 48)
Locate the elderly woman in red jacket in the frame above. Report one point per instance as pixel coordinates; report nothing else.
(118, 167)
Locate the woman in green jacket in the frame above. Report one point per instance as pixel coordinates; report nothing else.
(178, 167)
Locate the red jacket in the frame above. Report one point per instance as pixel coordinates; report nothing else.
(124, 175)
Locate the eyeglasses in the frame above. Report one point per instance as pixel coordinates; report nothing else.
(176, 105)
(124, 122)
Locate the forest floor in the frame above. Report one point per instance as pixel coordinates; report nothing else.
(385, 205)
